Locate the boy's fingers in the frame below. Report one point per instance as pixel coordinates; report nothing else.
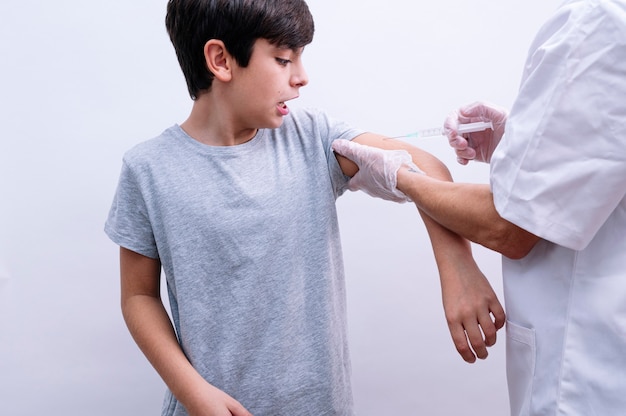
(459, 337)
(475, 336)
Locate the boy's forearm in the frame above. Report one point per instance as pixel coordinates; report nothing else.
(150, 325)
(448, 246)
(444, 239)
(151, 328)
(468, 299)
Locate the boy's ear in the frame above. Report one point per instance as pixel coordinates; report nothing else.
(218, 60)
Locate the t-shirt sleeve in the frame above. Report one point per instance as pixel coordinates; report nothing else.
(330, 130)
(128, 224)
(560, 169)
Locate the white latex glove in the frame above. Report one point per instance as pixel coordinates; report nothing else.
(479, 145)
(378, 169)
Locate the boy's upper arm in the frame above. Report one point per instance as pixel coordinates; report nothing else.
(140, 275)
(422, 159)
(350, 168)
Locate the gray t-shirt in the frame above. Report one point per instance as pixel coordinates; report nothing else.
(249, 242)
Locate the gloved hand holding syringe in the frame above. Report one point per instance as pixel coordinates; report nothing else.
(439, 131)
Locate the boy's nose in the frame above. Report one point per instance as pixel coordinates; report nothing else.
(300, 78)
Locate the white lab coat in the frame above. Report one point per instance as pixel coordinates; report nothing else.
(560, 173)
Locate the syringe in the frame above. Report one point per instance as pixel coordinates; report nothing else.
(438, 131)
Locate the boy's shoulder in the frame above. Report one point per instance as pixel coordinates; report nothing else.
(155, 145)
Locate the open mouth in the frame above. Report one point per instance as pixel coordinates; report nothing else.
(282, 108)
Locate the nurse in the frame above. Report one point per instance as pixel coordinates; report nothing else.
(555, 208)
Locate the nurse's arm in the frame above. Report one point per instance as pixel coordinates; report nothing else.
(468, 210)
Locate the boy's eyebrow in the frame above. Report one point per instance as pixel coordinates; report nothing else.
(296, 49)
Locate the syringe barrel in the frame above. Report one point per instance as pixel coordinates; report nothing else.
(474, 127)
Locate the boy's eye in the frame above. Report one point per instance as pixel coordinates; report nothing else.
(282, 61)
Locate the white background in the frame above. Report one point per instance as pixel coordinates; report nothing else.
(83, 81)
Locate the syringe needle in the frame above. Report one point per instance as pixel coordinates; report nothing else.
(437, 131)
(434, 132)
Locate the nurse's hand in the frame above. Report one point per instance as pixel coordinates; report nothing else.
(478, 145)
(378, 169)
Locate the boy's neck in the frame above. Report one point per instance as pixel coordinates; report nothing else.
(212, 124)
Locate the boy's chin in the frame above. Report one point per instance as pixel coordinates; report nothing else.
(276, 123)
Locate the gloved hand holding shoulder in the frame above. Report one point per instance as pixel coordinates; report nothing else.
(478, 145)
(378, 169)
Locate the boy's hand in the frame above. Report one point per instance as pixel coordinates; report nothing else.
(210, 401)
(473, 312)
(378, 169)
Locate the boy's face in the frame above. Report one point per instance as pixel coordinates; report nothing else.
(273, 77)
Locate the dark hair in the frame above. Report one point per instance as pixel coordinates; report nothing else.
(237, 23)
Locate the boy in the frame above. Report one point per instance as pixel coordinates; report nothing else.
(237, 205)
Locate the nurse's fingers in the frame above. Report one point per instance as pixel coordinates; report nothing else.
(458, 142)
(467, 154)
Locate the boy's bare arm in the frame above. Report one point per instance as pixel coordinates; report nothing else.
(472, 309)
(152, 330)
